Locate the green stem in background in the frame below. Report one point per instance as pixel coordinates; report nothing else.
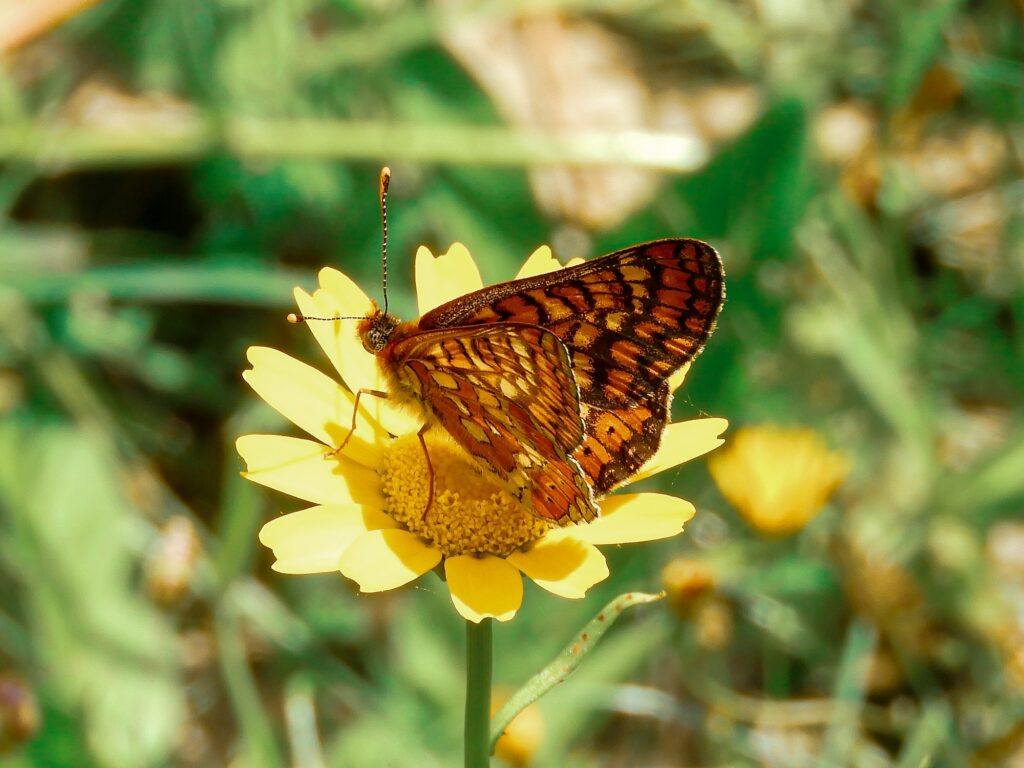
(254, 722)
(195, 137)
(478, 694)
(848, 695)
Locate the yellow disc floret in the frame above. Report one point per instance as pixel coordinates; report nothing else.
(471, 513)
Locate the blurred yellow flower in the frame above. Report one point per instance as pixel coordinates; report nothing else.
(777, 478)
(19, 712)
(367, 519)
(686, 581)
(713, 624)
(518, 744)
(690, 586)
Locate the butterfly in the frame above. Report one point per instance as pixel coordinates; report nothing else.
(556, 384)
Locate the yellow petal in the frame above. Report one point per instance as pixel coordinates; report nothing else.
(484, 587)
(540, 262)
(358, 368)
(567, 567)
(382, 560)
(300, 468)
(681, 442)
(338, 337)
(574, 262)
(445, 278)
(633, 517)
(313, 540)
(314, 402)
(675, 381)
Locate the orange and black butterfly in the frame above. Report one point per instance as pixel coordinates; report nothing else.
(557, 384)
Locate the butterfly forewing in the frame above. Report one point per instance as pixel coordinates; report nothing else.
(506, 393)
(628, 321)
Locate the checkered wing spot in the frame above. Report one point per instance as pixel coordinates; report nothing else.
(629, 320)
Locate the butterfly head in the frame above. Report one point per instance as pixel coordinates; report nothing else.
(376, 328)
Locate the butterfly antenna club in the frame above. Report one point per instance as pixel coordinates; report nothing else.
(295, 318)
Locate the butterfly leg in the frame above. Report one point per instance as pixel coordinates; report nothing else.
(355, 412)
(430, 470)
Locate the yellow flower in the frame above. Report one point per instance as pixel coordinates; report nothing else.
(367, 519)
(686, 581)
(778, 478)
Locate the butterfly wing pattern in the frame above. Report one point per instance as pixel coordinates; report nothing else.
(506, 393)
(628, 321)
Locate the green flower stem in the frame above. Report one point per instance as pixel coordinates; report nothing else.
(478, 694)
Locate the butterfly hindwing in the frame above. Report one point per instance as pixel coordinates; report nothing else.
(628, 320)
(505, 392)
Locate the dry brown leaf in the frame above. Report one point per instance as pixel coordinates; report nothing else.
(98, 104)
(569, 76)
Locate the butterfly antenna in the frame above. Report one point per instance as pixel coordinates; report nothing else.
(296, 318)
(382, 194)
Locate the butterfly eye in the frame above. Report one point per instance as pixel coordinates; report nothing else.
(374, 340)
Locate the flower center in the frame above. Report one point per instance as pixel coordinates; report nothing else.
(471, 513)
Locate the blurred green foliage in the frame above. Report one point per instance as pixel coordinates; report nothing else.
(169, 170)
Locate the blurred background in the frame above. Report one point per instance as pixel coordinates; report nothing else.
(851, 592)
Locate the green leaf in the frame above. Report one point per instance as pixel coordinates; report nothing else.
(927, 738)
(566, 661)
(259, 741)
(106, 651)
(920, 35)
(575, 714)
(992, 481)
